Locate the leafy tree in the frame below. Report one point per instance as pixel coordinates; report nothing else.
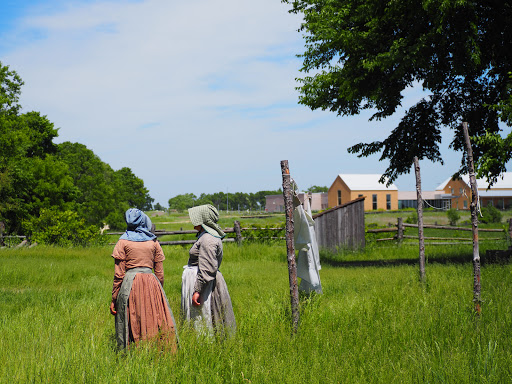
(364, 54)
(159, 207)
(95, 199)
(131, 189)
(10, 91)
(317, 189)
(182, 202)
(103, 194)
(36, 174)
(31, 176)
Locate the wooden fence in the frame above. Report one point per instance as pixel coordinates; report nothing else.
(341, 226)
(236, 229)
(400, 229)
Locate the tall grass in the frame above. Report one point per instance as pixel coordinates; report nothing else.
(374, 323)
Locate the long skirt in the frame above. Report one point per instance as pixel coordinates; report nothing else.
(215, 314)
(143, 311)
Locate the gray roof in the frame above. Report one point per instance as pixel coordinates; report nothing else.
(365, 182)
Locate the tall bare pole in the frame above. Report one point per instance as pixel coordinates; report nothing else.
(474, 221)
(421, 237)
(290, 246)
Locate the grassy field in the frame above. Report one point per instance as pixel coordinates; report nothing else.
(374, 323)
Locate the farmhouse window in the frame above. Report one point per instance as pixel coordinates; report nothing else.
(388, 201)
(339, 197)
(374, 201)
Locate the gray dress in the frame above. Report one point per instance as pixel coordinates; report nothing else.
(201, 274)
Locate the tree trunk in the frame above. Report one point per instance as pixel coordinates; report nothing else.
(421, 237)
(474, 221)
(290, 246)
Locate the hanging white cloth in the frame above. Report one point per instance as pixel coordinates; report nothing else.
(308, 263)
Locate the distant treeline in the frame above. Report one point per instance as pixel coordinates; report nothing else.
(41, 181)
(229, 201)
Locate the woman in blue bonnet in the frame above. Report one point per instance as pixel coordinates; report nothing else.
(139, 302)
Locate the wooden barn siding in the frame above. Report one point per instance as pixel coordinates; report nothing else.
(342, 226)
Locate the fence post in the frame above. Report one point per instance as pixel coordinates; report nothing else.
(400, 231)
(2, 229)
(290, 246)
(474, 220)
(238, 232)
(421, 237)
(510, 230)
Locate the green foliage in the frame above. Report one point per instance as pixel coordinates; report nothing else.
(490, 214)
(317, 189)
(365, 54)
(159, 207)
(412, 218)
(182, 202)
(63, 228)
(37, 174)
(453, 216)
(130, 189)
(236, 201)
(496, 153)
(267, 233)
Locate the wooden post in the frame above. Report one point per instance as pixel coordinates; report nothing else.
(510, 231)
(400, 230)
(421, 236)
(474, 221)
(290, 246)
(238, 232)
(2, 229)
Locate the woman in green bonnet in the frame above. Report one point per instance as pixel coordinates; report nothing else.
(205, 300)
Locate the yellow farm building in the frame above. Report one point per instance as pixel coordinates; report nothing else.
(347, 187)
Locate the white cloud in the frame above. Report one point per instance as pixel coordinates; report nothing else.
(192, 96)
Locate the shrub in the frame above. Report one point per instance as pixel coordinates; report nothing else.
(490, 214)
(63, 228)
(412, 218)
(453, 216)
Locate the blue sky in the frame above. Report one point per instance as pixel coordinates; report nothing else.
(195, 96)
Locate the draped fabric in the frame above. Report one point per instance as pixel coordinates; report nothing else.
(308, 261)
(143, 311)
(206, 216)
(215, 314)
(138, 226)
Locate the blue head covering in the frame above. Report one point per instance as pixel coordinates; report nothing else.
(138, 226)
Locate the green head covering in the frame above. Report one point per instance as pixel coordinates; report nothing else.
(207, 217)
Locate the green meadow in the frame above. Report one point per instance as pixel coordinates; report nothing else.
(374, 323)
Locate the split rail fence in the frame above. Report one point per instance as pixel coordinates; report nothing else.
(399, 231)
(237, 230)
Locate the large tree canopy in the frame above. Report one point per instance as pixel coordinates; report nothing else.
(67, 180)
(364, 53)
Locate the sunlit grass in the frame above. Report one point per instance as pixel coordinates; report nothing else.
(374, 323)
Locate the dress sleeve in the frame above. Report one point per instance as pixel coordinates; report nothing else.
(119, 272)
(119, 269)
(208, 264)
(158, 266)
